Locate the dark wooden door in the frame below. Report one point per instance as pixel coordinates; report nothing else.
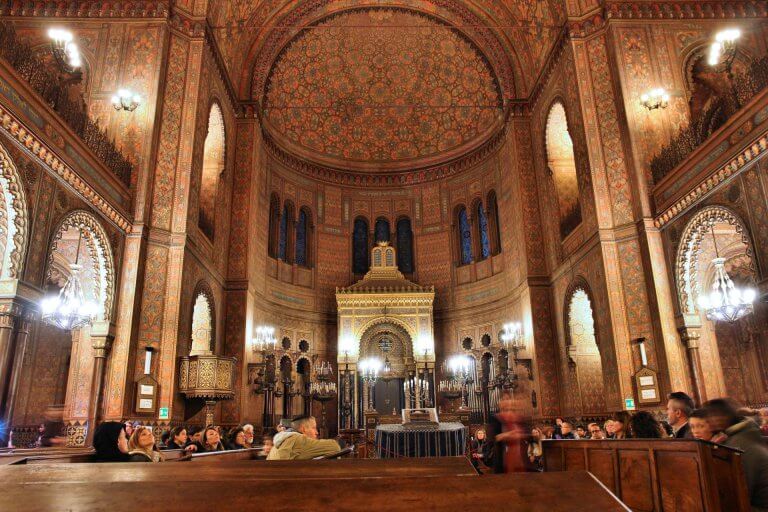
(388, 396)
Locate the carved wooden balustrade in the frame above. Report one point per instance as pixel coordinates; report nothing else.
(745, 87)
(53, 89)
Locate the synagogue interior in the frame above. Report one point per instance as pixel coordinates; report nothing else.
(505, 254)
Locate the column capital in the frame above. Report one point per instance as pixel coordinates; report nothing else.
(102, 335)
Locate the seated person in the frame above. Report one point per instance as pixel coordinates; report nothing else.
(266, 442)
(302, 443)
(110, 442)
(237, 439)
(699, 425)
(177, 440)
(211, 440)
(566, 431)
(595, 432)
(141, 446)
(732, 429)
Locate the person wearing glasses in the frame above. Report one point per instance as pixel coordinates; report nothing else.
(595, 432)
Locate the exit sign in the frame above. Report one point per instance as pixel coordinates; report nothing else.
(163, 413)
(629, 404)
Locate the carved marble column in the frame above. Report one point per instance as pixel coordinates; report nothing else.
(101, 341)
(690, 337)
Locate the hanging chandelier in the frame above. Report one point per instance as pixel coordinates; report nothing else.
(726, 302)
(69, 309)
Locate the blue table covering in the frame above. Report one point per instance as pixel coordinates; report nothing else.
(448, 440)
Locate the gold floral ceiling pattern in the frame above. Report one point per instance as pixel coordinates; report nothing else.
(381, 87)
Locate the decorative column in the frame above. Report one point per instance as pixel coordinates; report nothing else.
(7, 326)
(690, 337)
(101, 342)
(22, 337)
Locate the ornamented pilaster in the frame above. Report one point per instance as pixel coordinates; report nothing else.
(101, 342)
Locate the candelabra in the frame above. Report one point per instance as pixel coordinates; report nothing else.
(265, 381)
(512, 339)
(722, 53)
(346, 393)
(369, 372)
(655, 99)
(323, 388)
(458, 372)
(417, 386)
(65, 51)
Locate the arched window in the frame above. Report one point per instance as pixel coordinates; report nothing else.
(382, 230)
(493, 223)
(202, 326)
(583, 353)
(405, 246)
(484, 248)
(274, 226)
(360, 257)
(213, 166)
(464, 234)
(562, 166)
(303, 237)
(286, 231)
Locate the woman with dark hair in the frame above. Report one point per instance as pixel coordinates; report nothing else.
(237, 439)
(643, 425)
(211, 440)
(736, 431)
(619, 424)
(111, 443)
(177, 440)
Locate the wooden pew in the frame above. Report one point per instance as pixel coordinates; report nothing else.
(227, 487)
(246, 470)
(82, 457)
(224, 456)
(658, 475)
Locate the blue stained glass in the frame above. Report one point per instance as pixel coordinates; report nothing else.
(485, 241)
(405, 246)
(466, 237)
(360, 247)
(382, 230)
(301, 239)
(283, 244)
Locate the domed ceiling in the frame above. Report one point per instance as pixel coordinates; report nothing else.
(381, 89)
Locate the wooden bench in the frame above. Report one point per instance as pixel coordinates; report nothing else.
(246, 470)
(658, 475)
(230, 486)
(224, 456)
(82, 457)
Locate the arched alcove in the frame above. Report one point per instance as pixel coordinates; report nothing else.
(583, 354)
(213, 167)
(203, 322)
(13, 219)
(562, 167)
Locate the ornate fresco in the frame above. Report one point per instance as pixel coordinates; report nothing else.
(366, 88)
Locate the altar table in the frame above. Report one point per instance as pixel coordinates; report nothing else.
(448, 440)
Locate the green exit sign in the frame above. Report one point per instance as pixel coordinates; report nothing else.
(629, 404)
(163, 413)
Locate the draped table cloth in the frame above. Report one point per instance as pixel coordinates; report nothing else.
(448, 440)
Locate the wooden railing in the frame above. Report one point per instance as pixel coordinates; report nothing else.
(53, 89)
(745, 87)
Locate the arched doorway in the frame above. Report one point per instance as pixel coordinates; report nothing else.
(584, 363)
(303, 369)
(730, 360)
(391, 344)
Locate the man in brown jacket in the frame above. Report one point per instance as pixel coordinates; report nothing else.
(301, 443)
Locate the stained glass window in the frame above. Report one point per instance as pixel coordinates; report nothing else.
(404, 246)
(465, 237)
(283, 234)
(482, 223)
(360, 246)
(301, 239)
(382, 230)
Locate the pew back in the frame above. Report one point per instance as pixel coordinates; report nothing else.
(658, 475)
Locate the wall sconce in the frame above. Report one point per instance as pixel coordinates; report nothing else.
(512, 336)
(723, 49)
(64, 50)
(655, 99)
(126, 100)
